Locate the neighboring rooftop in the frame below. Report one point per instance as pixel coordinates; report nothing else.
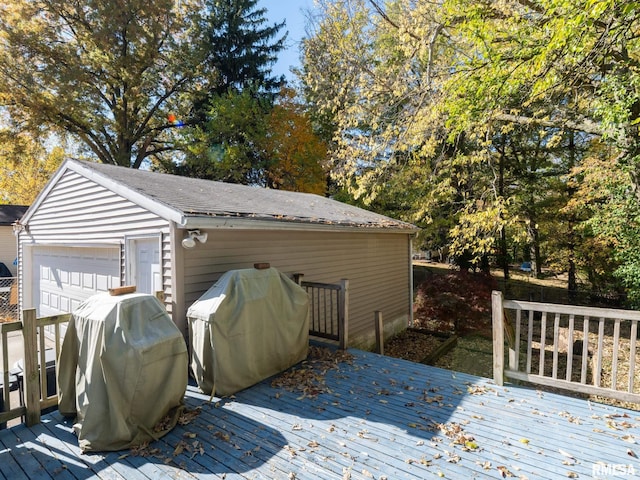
(207, 198)
(10, 213)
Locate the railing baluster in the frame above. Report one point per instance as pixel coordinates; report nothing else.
(543, 338)
(614, 360)
(43, 363)
(569, 372)
(317, 305)
(556, 341)
(530, 341)
(632, 355)
(335, 302)
(5, 371)
(516, 362)
(598, 373)
(585, 351)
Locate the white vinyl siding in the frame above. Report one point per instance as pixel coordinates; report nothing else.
(376, 265)
(8, 247)
(79, 212)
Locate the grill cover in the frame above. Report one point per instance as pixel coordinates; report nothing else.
(123, 368)
(249, 325)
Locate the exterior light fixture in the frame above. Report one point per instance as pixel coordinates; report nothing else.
(190, 240)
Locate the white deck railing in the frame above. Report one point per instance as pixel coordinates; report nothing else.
(582, 349)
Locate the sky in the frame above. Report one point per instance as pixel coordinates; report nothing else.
(292, 11)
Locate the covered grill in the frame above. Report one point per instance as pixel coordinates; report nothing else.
(122, 371)
(251, 324)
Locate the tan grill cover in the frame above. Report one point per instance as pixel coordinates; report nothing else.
(123, 368)
(249, 325)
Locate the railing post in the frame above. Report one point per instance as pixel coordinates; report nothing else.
(298, 277)
(31, 374)
(343, 319)
(497, 317)
(379, 332)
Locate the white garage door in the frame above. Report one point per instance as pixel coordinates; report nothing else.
(64, 277)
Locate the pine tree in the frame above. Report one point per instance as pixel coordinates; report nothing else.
(243, 47)
(232, 115)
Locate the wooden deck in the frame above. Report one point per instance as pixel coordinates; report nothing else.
(369, 417)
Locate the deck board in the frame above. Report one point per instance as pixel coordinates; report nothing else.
(373, 417)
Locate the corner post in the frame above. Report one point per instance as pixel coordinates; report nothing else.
(343, 320)
(497, 318)
(379, 332)
(31, 374)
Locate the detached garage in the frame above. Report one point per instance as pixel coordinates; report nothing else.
(97, 226)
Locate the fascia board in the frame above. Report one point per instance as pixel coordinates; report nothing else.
(199, 222)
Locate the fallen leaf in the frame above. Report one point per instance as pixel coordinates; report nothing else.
(566, 454)
(179, 448)
(504, 471)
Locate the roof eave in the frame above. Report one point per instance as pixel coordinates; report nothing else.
(244, 223)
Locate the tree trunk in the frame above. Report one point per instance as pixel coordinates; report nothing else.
(504, 256)
(504, 260)
(572, 283)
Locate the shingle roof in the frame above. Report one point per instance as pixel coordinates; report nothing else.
(206, 198)
(10, 213)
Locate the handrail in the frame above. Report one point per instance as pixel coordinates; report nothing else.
(35, 363)
(35, 367)
(568, 344)
(328, 309)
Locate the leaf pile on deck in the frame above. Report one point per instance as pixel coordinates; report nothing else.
(185, 417)
(308, 377)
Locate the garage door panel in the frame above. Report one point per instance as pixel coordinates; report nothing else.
(64, 277)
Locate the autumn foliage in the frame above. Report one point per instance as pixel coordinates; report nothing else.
(454, 302)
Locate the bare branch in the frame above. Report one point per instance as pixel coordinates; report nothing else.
(586, 126)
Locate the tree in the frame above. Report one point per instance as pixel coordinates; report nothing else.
(231, 115)
(229, 146)
(111, 73)
(250, 141)
(242, 47)
(457, 93)
(25, 167)
(297, 156)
